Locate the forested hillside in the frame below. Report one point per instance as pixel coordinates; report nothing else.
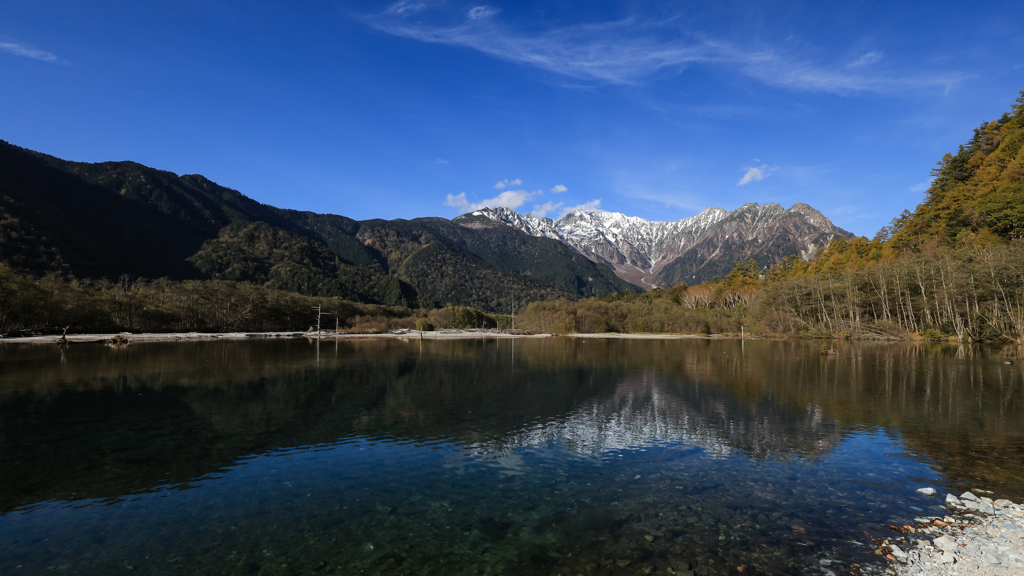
(265, 255)
(976, 191)
(111, 220)
(55, 220)
(526, 265)
(951, 268)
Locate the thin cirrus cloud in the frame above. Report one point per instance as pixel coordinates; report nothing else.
(28, 51)
(756, 173)
(481, 12)
(405, 7)
(629, 51)
(866, 59)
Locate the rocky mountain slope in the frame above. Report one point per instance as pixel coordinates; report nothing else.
(691, 250)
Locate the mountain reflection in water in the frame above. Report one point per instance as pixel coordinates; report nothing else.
(531, 448)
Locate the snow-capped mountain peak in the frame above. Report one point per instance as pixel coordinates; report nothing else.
(655, 253)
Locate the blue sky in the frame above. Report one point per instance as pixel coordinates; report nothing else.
(423, 108)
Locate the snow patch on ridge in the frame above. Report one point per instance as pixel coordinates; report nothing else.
(638, 249)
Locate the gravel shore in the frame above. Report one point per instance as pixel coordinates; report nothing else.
(402, 334)
(979, 537)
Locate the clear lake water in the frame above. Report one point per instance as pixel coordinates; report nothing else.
(490, 456)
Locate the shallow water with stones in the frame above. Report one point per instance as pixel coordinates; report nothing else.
(554, 456)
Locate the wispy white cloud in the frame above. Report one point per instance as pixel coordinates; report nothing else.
(777, 69)
(510, 199)
(631, 50)
(506, 183)
(541, 210)
(585, 52)
(481, 12)
(756, 173)
(440, 161)
(592, 205)
(405, 7)
(869, 58)
(558, 189)
(28, 51)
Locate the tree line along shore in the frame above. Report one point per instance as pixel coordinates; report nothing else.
(953, 268)
(972, 291)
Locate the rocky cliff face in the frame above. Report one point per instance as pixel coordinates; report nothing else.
(690, 250)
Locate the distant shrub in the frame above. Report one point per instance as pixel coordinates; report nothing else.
(504, 321)
(377, 324)
(460, 317)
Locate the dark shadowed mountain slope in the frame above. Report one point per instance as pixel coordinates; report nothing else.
(71, 224)
(505, 250)
(259, 253)
(108, 219)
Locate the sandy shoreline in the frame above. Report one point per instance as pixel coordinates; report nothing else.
(618, 336)
(394, 335)
(211, 336)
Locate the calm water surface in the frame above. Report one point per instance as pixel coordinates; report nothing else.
(556, 456)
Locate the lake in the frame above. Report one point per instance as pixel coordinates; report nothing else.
(533, 456)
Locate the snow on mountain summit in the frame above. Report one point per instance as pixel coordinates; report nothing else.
(652, 253)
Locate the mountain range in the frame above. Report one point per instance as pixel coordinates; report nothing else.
(657, 254)
(110, 220)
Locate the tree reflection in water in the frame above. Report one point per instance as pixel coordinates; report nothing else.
(754, 453)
